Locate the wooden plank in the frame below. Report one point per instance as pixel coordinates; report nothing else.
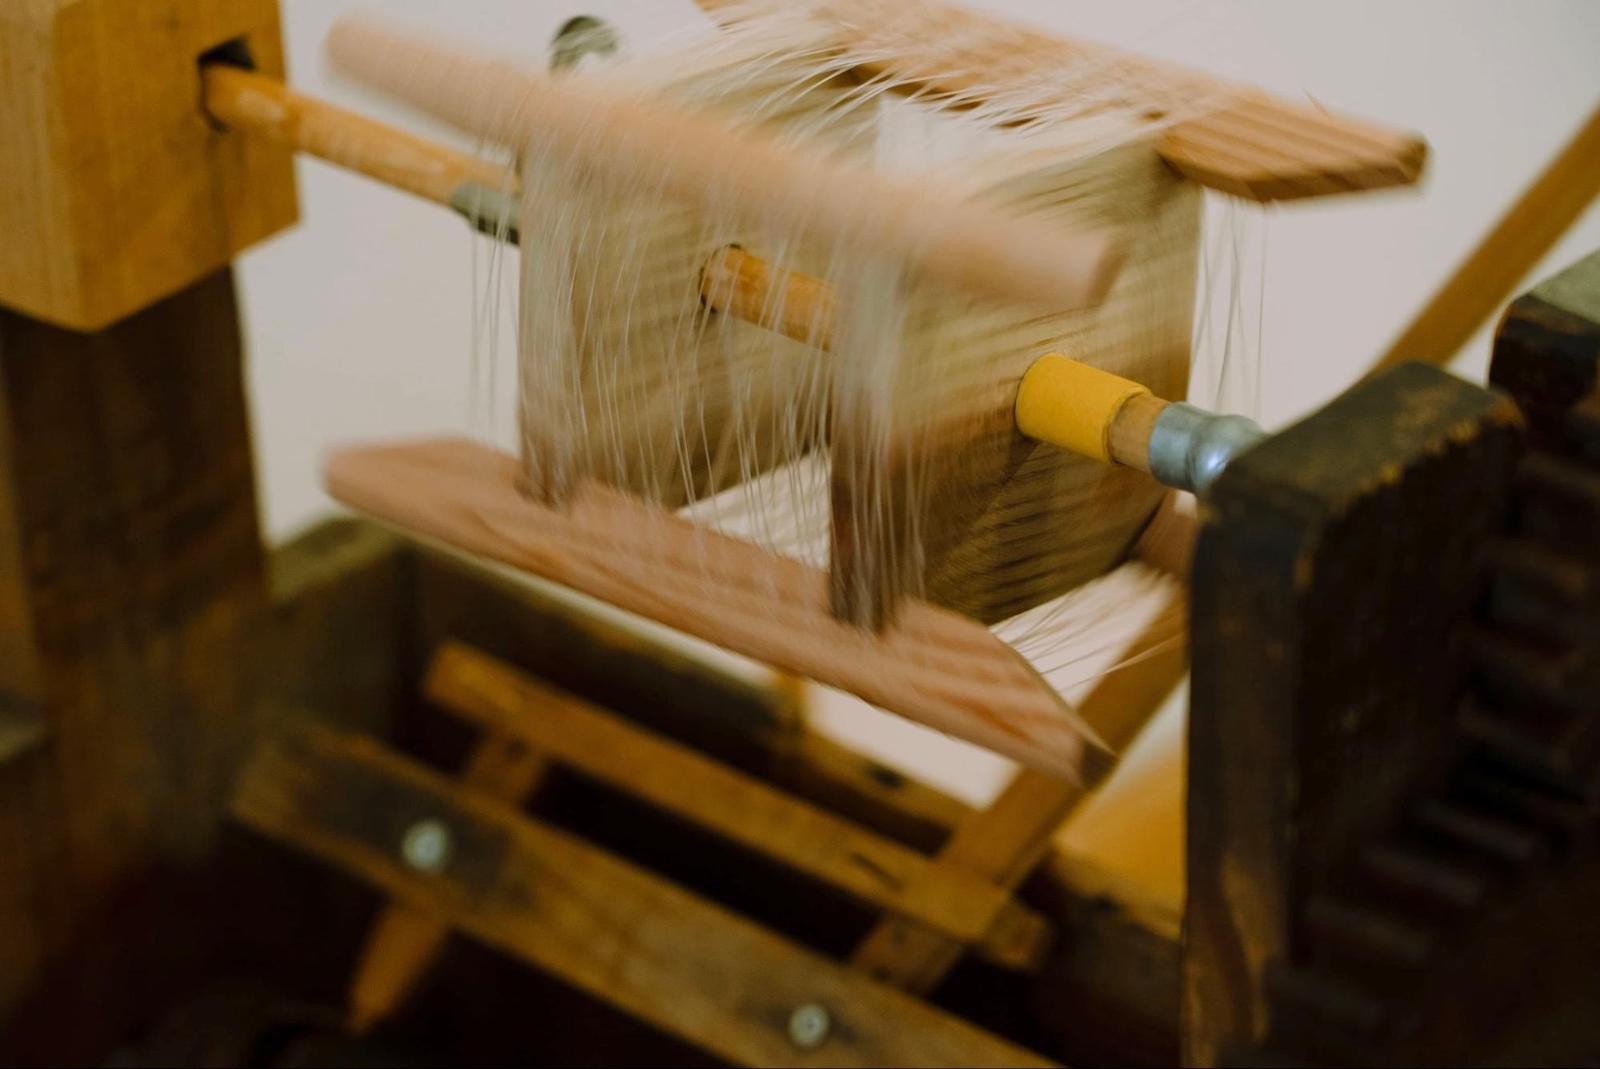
(1248, 144)
(649, 948)
(404, 942)
(1334, 584)
(738, 807)
(1518, 241)
(1003, 843)
(128, 496)
(117, 190)
(934, 666)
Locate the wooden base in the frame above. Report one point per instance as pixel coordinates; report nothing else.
(355, 614)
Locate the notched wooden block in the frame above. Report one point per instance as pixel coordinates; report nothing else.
(115, 189)
(1335, 580)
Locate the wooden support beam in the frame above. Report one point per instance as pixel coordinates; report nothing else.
(621, 934)
(130, 599)
(738, 807)
(404, 942)
(965, 245)
(1003, 843)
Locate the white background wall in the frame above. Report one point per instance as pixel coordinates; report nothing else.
(360, 321)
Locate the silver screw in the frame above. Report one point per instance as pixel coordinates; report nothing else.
(580, 38)
(426, 846)
(809, 1025)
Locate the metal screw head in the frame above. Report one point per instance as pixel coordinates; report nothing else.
(580, 38)
(809, 1025)
(426, 846)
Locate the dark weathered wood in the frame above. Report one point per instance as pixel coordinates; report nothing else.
(1547, 350)
(661, 953)
(1109, 995)
(339, 639)
(131, 581)
(1333, 585)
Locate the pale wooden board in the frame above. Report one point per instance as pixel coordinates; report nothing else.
(115, 188)
(652, 949)
(1250, 144)
(934, 666)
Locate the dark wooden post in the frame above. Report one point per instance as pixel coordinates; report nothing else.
(1333, 585)
(130, 581)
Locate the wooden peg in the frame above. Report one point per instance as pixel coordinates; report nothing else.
(264, 108)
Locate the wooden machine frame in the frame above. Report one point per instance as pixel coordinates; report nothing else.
(1406, 579)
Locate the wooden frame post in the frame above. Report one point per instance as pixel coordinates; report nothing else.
(1334, 582)
(130, 587)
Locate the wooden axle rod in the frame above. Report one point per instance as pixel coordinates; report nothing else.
(264, 107)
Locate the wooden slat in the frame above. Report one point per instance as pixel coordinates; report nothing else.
(1489, 274)
(647, 947)
(736, 806)
(933, 666)
(1250, 145)
(404, 942)
(1003, 843)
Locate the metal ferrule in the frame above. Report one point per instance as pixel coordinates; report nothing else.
(1189, 447)
(490, 211)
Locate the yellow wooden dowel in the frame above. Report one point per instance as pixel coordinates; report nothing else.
(1072, 405)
